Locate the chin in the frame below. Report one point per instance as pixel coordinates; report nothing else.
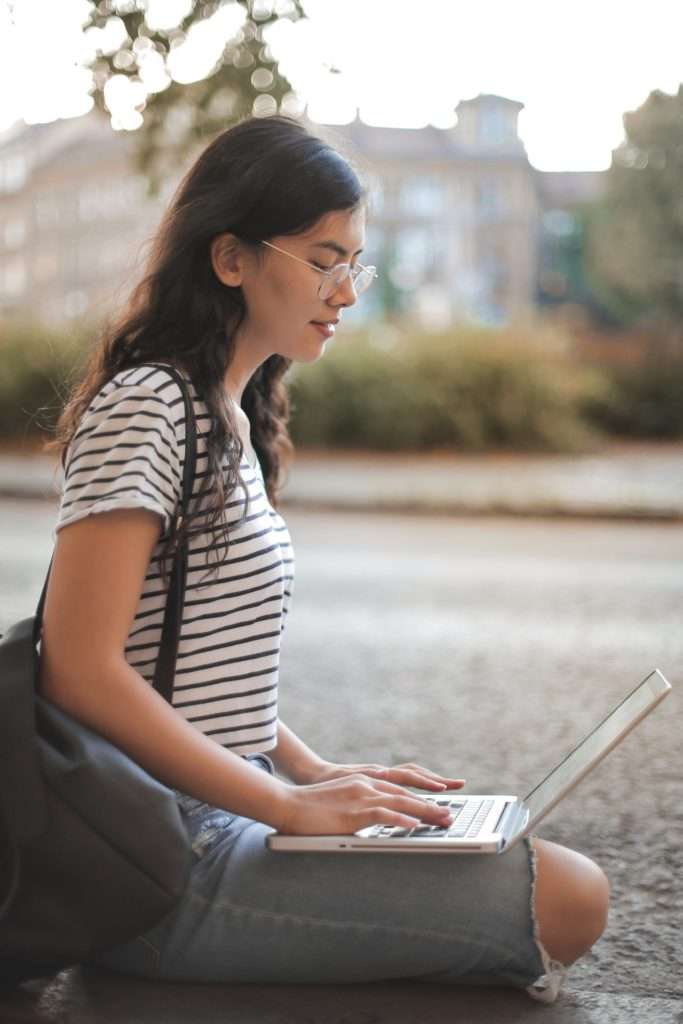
(310, 354)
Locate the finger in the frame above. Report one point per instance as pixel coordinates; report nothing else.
(391, 788)
(427, 810)
(405, 800)
(445, 780)
(408, 776)
(418, 768)
(384, 816)
(419, 779)
(424, 810)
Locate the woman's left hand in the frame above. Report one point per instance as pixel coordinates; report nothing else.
(401, 774)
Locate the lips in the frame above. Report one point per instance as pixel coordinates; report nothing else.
(326, 327)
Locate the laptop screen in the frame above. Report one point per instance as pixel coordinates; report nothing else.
(598, 743)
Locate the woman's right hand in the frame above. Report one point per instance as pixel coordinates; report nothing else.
(342, 806)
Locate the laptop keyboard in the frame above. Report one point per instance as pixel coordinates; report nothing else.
(468, 818)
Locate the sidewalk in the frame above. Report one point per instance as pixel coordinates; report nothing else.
(634, 570)
(627, 481)
(90, 996)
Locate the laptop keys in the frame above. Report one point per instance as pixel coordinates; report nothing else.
(469, 818)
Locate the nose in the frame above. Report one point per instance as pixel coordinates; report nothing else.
(347, 291)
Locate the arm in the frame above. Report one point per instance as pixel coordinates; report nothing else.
(88, 615)
(304, 766)
(293, 758)
(97, 576)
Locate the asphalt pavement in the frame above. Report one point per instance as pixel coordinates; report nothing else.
(549, 618)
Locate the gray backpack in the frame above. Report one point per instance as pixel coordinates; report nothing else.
(93, 850)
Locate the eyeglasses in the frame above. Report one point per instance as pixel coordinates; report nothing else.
(361, 277)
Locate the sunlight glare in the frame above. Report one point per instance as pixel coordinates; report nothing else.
(405, 64)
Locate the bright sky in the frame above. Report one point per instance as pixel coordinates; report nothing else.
(406, 63)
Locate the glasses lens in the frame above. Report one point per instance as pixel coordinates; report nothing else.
(334, 280)
(364, 279)
(361, 278)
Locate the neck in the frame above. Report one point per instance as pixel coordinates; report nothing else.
(248, 355)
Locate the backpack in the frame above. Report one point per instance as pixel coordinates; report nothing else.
(93, 850)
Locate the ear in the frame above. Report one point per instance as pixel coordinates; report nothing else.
(228, 259)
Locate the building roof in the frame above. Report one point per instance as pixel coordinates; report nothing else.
(489, 99)
(377, 142)
(70, 140)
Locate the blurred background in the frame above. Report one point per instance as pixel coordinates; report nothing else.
(520, 356)
(526, 203)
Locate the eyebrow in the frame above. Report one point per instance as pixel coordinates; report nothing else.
(335, 247)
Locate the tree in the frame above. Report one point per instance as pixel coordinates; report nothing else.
(635, 241)
(174, 117)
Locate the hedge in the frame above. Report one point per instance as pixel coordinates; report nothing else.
(466, 389)
(391, 388)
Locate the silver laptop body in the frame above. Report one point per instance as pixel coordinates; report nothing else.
(494, 823)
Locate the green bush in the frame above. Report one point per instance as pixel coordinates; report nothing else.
(389, 389)
(468, 389)
(36, 367)
(645, 399)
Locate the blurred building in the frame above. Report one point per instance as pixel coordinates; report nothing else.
(74, 217)
(456, 221)
(462, 225)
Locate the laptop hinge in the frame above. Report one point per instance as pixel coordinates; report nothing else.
(511, 820)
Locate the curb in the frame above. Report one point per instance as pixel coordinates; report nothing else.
(367, 505)
(646, 487)
(489, 510)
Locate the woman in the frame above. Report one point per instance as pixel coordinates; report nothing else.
(252, 267)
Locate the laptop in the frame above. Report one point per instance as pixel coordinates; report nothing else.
(493, 823)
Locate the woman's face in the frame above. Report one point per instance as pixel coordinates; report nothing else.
(281, 294)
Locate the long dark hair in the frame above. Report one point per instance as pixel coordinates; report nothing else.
(263, 177)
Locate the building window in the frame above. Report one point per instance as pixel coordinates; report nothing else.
(490, 198)
(374, 240)
(110, 199)
(494, 127)
(559, 223)
(14, 233)
(12, 172)
(416, 257)
(46, 207)
(423, 196)
(377, 198)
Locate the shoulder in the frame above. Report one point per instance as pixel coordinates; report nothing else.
(138, 406)
(143, 391)
(142, 383)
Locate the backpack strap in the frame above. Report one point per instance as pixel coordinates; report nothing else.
(164, 673)
(170, 631)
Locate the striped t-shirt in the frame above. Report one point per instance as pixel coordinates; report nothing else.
(128, 452)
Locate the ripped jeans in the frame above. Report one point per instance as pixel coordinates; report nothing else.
(253, 915)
